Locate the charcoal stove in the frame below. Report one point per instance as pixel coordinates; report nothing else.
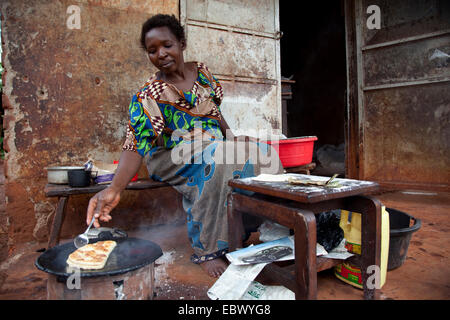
(127, 275)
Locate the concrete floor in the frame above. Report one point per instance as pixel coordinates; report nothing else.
(424, 275)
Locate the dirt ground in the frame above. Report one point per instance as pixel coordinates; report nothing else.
(425, 275)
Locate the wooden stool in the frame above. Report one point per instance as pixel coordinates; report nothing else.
(294, 206)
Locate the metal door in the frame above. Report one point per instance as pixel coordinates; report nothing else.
(239, 42)
(399, 93)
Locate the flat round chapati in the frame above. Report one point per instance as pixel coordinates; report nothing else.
(91, 256)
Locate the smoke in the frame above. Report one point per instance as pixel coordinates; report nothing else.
(164, 235)
(168, 237)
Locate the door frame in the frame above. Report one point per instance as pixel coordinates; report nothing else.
(353, 113)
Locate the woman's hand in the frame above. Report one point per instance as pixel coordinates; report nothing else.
(101, 205)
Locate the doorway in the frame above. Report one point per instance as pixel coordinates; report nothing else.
(313, 55)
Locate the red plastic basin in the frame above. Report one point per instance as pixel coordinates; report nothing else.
(134, 178)
(294, 152)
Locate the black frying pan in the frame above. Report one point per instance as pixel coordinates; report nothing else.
(129, 254)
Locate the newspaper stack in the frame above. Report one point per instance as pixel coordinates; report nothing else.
(237, 282)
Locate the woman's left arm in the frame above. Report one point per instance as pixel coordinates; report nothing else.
(228, 134)
(225, 128)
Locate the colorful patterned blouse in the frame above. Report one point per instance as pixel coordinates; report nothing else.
(160, 108)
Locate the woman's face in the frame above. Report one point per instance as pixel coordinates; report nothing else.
(164, 50)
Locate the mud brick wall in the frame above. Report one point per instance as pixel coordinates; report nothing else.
(66, 95)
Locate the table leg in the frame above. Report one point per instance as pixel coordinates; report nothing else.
(235, 225)
(304, 224)
(58, 220)
(305, 255)
(370, 208)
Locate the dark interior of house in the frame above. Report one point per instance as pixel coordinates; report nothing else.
(313, 55)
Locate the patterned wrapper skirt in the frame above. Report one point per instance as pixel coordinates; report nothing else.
(200, 171)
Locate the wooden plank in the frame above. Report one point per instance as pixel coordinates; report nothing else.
(263, 208)
(305, 169)
(283, 276)
(322, 264)
(326, 263)
(57, 190)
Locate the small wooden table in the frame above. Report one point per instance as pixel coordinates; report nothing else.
(64, 191)
(294, 206)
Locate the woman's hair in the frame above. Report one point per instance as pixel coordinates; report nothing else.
(162, 20)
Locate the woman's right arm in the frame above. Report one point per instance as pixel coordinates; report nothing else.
(102, 203)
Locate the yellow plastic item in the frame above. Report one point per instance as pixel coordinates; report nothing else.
(352, 233)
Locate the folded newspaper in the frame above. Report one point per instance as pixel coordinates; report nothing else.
(237, 282)
(270, 230)
(276, 250)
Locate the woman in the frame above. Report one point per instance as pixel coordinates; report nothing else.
(176, 125)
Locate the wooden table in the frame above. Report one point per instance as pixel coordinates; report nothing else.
(64, 191)
(294, 206)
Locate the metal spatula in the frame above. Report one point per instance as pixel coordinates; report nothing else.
(82, 239)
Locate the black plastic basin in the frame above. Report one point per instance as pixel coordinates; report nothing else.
(401, 231)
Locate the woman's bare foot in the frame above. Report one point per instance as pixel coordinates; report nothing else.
(214, 268)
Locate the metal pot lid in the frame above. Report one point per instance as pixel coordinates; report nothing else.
(129, 254)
